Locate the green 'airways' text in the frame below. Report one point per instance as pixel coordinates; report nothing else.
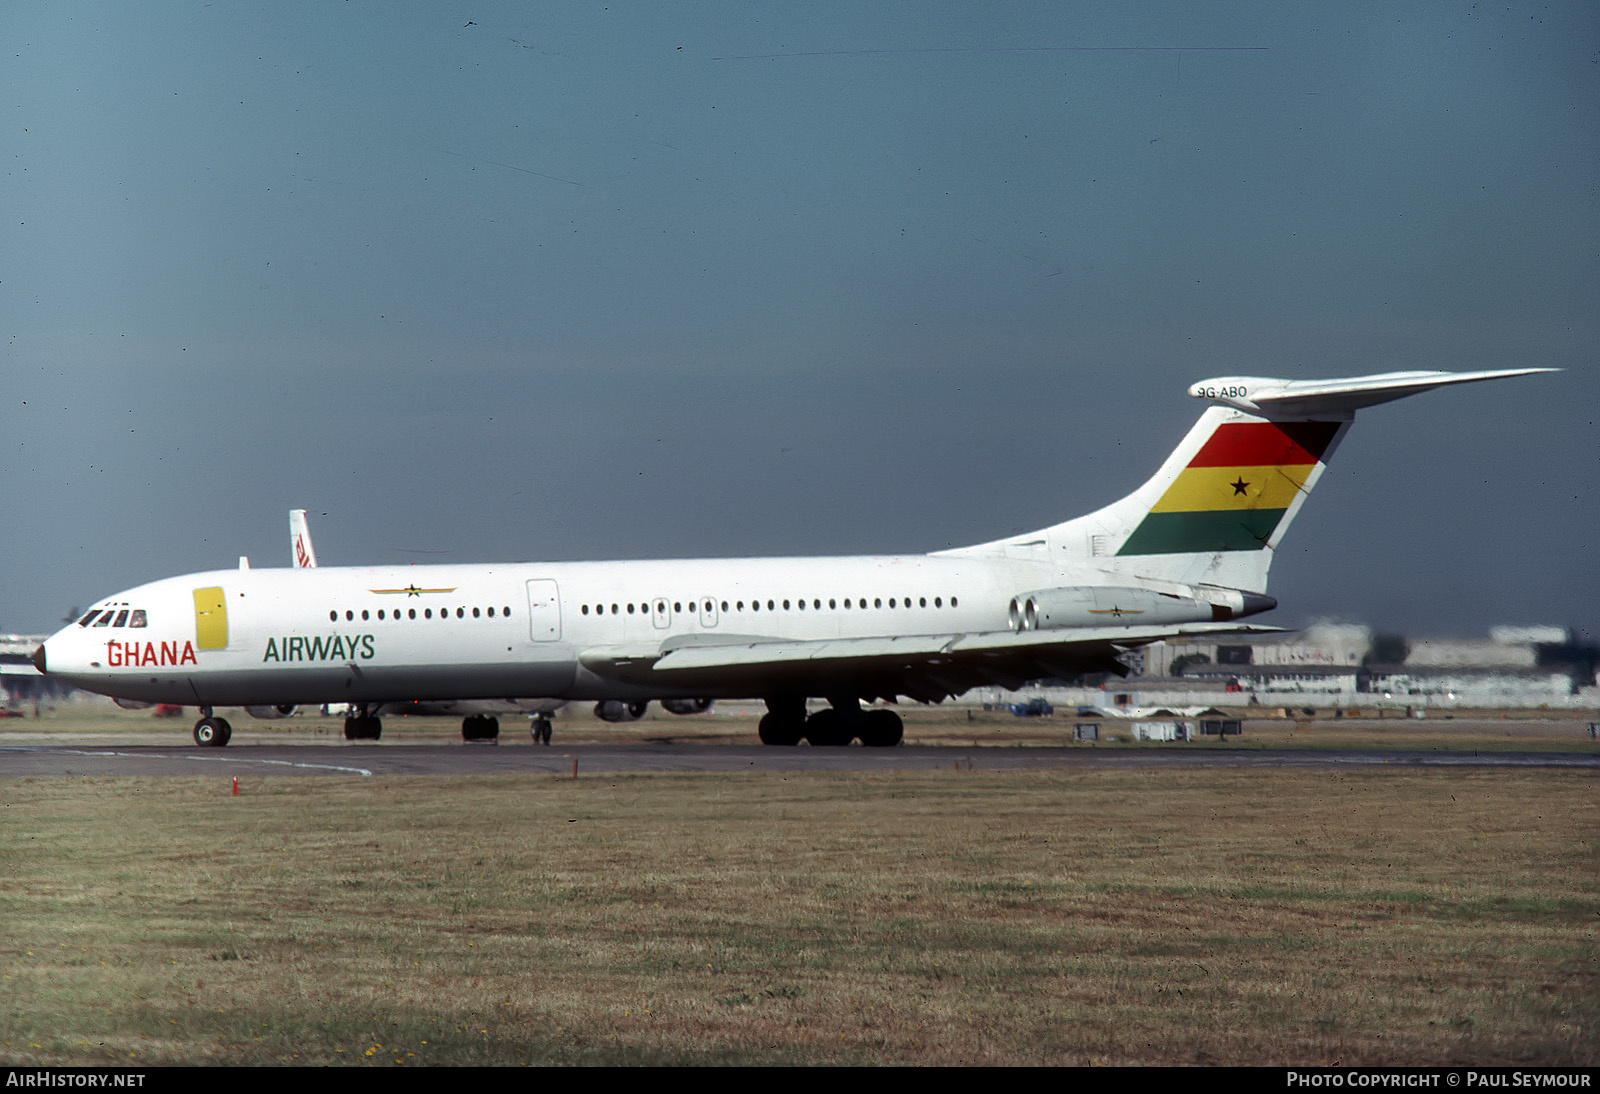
(333, 647)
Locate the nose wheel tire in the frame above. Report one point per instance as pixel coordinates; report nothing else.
(212, 732)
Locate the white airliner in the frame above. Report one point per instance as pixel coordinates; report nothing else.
(1186, 553)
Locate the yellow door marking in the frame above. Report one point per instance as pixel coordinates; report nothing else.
(210, 619)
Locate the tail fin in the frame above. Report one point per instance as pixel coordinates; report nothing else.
(304, 555)
(1219, 506)
(1232, 487)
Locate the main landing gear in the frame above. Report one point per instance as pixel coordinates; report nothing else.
(541, 728)
(211, 732)
(359, 725)
(787, 723)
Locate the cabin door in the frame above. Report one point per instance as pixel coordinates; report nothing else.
(544, 610)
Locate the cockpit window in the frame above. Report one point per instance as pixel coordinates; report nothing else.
(122, 617)
(84, 622)
(106, 618)
(137, 619)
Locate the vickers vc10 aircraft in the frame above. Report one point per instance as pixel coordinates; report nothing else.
(1186, 553)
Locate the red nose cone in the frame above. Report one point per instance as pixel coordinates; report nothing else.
(38, 659)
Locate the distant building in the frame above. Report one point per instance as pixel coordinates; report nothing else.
(19, 680)
(1337, 664)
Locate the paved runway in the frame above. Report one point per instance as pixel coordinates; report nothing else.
(367, 759)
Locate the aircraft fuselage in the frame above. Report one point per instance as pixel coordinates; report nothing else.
(370, 634)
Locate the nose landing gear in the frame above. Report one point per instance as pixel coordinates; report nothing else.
(211, 732)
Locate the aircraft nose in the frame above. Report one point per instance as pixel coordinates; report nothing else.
(38, 659)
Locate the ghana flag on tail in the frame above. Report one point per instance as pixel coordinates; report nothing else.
(1235, 490)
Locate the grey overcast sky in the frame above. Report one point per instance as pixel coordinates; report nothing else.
(489, 281)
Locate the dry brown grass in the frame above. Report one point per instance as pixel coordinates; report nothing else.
(1246, 917)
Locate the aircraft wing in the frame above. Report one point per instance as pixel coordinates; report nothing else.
(925, 667)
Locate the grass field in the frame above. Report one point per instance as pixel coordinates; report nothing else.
(1240, 917)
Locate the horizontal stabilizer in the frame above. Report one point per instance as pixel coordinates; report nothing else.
(1308, 398)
